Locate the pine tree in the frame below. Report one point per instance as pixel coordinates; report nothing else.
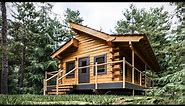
(4, 73)
(154, 23)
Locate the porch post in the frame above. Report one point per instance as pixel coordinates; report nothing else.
(76, 71)
(145, 75)
(132, 65)
(96, 75)
(152, 80)
(45, 83)
(44, 88)
(45, 75)
(123, 72)
(130, 45)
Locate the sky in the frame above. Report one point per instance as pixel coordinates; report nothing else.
(104, 15)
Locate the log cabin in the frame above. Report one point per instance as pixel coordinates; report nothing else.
(94, 60)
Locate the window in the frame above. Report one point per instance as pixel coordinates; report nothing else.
(100, 59)
(70, 66)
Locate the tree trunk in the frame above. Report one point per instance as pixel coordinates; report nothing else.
(22, 66)
(4, 73)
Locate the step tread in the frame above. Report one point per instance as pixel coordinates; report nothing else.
(61, 89)
(56, 93)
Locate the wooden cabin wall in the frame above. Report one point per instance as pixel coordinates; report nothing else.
(89, 46)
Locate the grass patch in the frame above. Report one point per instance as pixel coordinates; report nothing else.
(82, 100)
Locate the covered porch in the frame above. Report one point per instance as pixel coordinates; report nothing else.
(138, 80)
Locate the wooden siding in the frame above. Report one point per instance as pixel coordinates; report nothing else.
(89, 47)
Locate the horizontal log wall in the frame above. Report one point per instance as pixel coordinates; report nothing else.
(89, 46)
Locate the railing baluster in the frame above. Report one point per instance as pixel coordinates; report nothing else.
(145, 79)
(140, 78)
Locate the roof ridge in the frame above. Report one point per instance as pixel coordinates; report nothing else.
(91, 28)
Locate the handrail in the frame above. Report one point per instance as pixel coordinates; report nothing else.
(100, 64)
(52, 72)
(133, 67)
(67, 73)
(84, 67)
(128, 63)
(119, 61)
(54, 75)
(137, 69)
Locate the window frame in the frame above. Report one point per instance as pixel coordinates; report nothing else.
(88, 62)
(71, 75)
(105, 60)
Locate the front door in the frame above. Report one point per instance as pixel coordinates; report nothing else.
(84, 72)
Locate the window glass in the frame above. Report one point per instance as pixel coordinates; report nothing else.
(70, 66)
(100, 59)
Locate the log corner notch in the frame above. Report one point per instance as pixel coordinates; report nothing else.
(110, 41)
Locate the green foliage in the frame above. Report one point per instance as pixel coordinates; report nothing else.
(72, 16)
(34, 30)
(171, 83)
(154, 23)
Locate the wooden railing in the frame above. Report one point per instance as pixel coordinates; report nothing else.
(45, 81)
(147, 81)
(123, 61)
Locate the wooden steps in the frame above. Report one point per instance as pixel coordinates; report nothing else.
(62, 89)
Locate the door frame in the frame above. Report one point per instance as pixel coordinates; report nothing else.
(87, 58)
